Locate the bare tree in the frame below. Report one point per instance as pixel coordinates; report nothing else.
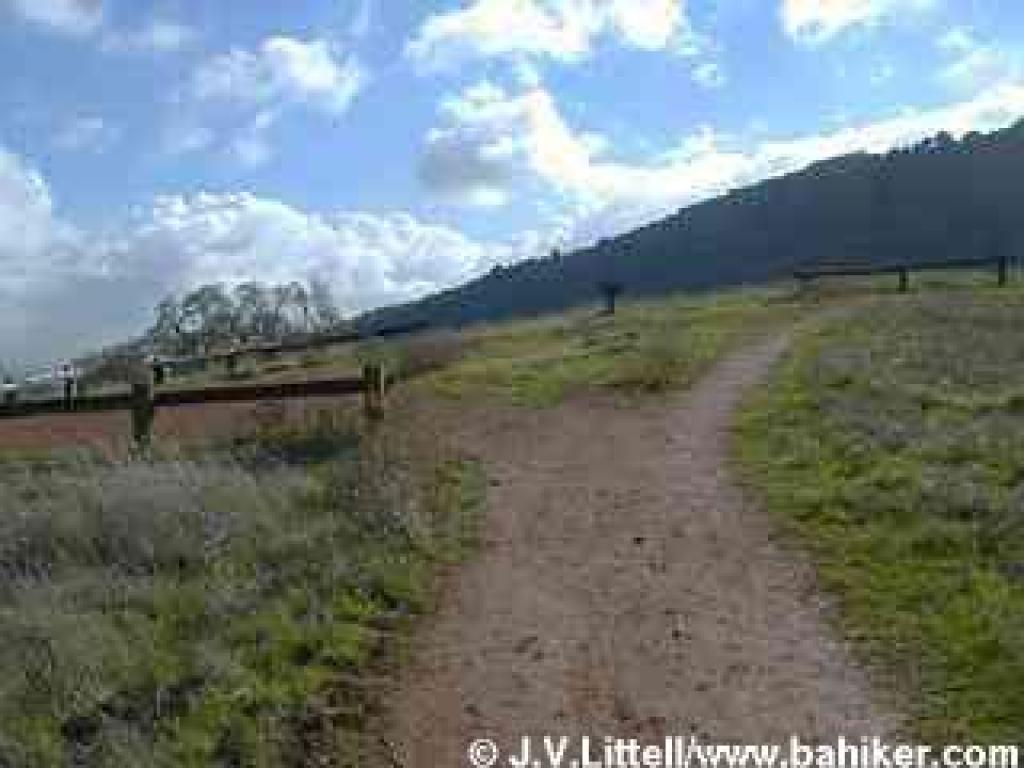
(166, 330)
(323, 304)
(208, 314)
(211, 314)
(253, 308)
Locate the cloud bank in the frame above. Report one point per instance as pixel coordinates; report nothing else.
(69, 290)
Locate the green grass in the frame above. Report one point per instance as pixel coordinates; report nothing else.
(220, 606)
(648, 346)
(893, 443)
(217, 609)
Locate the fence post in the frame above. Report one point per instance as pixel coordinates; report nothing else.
(1003, 270)
(611, 292)
(69, 394)
(904, 279)
(373, 391)
(143, 410)
(10, 392)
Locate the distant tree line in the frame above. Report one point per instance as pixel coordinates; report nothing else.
(216, 316)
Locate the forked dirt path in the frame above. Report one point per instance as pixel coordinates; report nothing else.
(626, 587)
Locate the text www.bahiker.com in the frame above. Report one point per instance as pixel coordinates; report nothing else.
(688, 752)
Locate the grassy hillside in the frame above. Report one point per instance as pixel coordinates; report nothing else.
(893, 443)
(939, 200)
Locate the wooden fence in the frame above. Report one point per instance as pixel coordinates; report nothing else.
(144, 399)
(810, 273)
(299, 344)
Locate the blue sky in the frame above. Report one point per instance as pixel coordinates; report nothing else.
(394, 148)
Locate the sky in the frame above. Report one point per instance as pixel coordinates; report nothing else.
(396, 147)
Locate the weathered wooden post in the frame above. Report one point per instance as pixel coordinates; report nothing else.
(1004, 269)
(10, 392)
(373, 391)
(143, 408)
(159, 374)
(904, 279)
(69, 393)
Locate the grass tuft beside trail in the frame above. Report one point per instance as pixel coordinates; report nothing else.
(893, 442)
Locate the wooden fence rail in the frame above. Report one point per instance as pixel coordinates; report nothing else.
(809, 273)
(144, 400)
(302, 344)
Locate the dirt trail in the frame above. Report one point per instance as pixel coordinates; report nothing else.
(626, 587)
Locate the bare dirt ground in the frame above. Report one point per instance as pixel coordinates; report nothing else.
(626, 587)
(110, 433)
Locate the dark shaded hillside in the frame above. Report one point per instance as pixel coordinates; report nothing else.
(940, 199)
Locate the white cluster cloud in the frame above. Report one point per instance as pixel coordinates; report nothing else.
(254, 87)
(974, 64)
(85, 133)
(492, 143)
(709, 74)
(368, 259)
(25, 211)
(27, 229)
(282, 69)
(491, 138)
(67, 290)
(560, 29)
(156, 35)
(71, 17)
(818, 21)
(89, 19)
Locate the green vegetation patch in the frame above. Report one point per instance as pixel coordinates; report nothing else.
(647, 346)
(217, 610)
(893, 441)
